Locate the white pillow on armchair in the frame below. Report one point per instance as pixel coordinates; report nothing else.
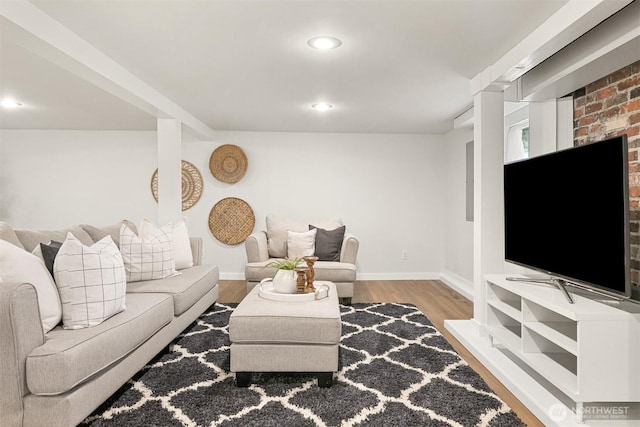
(301, 244)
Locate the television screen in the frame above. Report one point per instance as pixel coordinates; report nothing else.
(567, 214)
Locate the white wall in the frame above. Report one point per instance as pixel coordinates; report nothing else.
(52, 179)
(458, 242)
(389, 189)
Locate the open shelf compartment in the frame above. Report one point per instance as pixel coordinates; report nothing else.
(555, 327)
(549, 359)
(505, 301)
(504, 329)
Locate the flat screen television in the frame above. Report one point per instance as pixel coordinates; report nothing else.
(567, 214)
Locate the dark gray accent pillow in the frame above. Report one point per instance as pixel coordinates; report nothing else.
(49, 253)
(328, 243)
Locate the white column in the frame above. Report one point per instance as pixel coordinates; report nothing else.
(488, 133)
(169, 170)
(543, 120)
(550, 126)
(564, 129)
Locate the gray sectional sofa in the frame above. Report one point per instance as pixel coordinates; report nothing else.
(59, 378)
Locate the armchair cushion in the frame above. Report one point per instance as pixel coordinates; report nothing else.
(277, 228)
(328, 243)
(301, 244)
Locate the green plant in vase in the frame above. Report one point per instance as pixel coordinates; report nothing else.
(285, 280)
(285, 264)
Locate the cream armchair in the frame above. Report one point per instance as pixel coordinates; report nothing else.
(342, 272)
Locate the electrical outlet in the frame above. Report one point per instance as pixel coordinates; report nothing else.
(405, 255)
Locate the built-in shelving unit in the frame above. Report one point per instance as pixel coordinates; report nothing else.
(588, 350)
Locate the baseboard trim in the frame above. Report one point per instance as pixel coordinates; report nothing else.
(449, 278)
(232, 276)
(398, 276)
(458, 284)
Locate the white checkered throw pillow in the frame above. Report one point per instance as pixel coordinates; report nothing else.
(91, 282)
(147, 259)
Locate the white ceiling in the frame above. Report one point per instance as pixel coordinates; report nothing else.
(403, 67)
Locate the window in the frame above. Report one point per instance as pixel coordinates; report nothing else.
(517, 146)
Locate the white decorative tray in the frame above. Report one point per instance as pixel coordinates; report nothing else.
(266, 291)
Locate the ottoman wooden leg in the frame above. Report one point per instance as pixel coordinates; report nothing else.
(325, 379)
(243, 379)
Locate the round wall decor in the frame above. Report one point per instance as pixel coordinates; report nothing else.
(191, 185)
(228, 163)
(231, 220)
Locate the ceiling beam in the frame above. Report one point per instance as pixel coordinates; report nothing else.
(464, 120)
(612, 45)
(48, 38)
(571, 21)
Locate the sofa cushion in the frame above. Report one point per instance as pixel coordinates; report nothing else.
(325, 270)
(329, 243)
(278, 226)
(8, 234)
(180, 242)
(182, 245)
(148, 258)
(18, 265)
(91, 281)
(186, 289)
(31, 238)
(69, 357)
(98, 233)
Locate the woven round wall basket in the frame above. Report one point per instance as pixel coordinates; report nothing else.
(191, 185)
(231, 221)
(228, 163)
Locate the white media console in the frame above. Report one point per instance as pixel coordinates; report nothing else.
(588, 351)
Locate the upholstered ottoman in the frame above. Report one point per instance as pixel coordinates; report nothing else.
(285, 336)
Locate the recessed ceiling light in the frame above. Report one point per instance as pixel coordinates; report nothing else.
(324, 42)
(322, 106)
(10, 103)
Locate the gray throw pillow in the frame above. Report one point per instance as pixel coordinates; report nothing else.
(329, 243)
(49, 253)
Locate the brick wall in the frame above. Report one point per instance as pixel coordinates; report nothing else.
(609, 107)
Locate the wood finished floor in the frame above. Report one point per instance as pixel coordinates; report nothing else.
(435, 299)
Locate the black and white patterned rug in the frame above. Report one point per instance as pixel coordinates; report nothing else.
(396, 369)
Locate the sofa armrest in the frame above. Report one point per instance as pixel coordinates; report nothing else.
(256, 247)
(196, 250)
(349, 251)
(20, 333)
